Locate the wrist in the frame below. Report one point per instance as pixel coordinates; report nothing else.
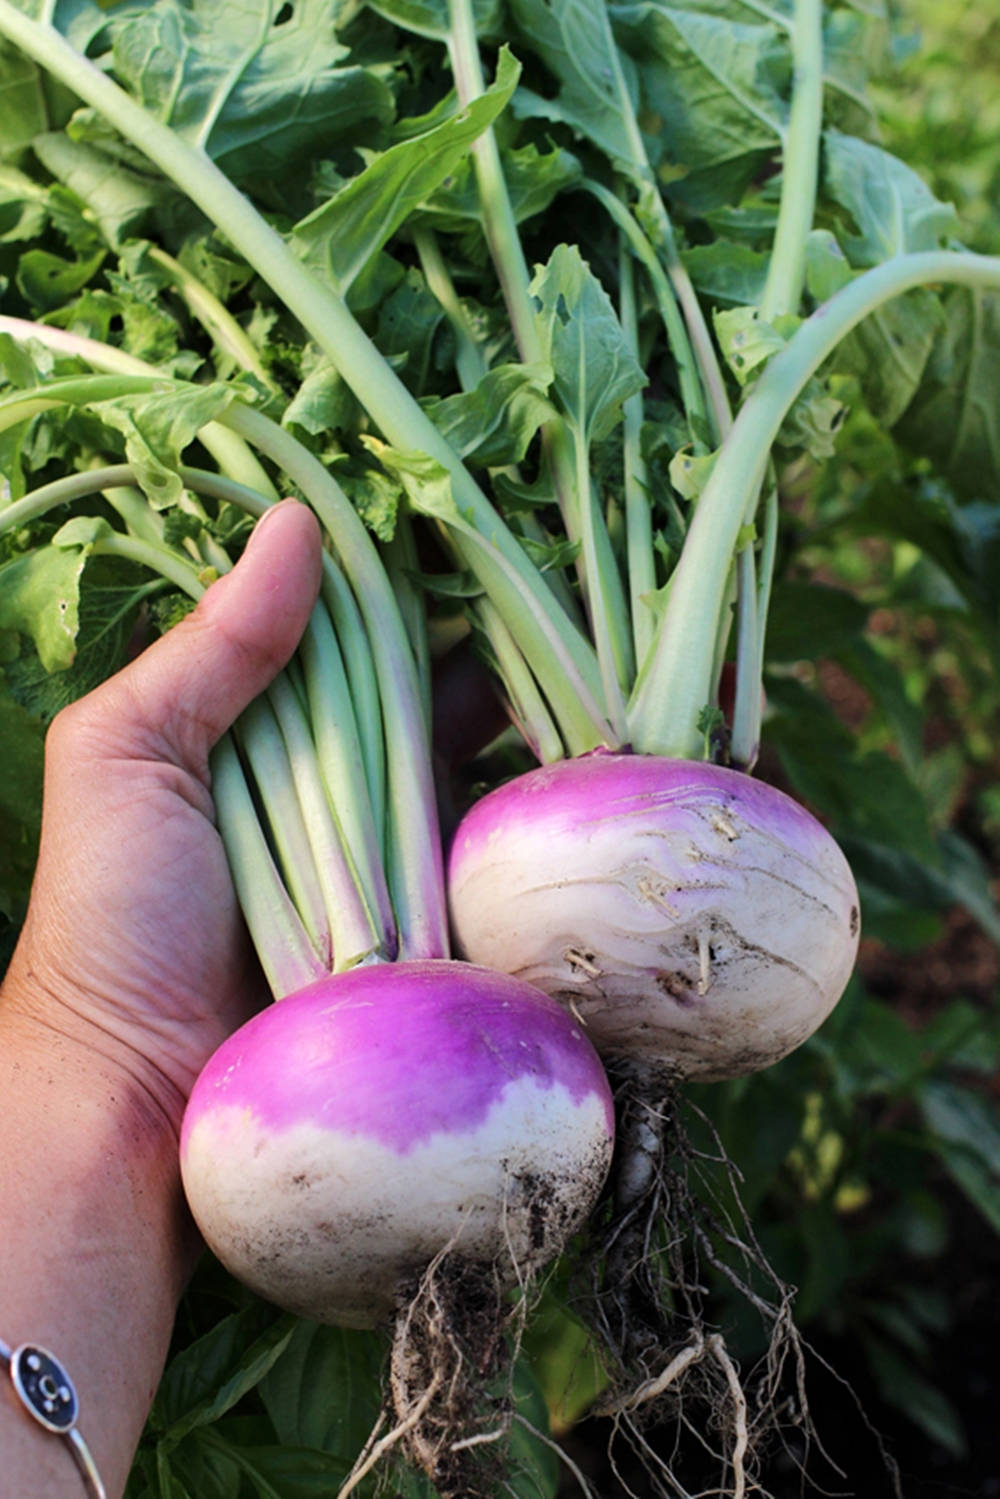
(98, 1243)
(55, 1029)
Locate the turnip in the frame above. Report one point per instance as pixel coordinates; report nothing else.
(687, 914)
(340, 1141)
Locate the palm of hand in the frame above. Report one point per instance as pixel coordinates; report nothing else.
(146, 947)
(134, 947)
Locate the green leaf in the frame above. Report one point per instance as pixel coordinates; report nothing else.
(158, 426)
(594, 368)
(954, 417)
(376, 496)
(727, 273)
(109, 601)
(966, 1131)
(119, 200)
(921, 1402)
(21, 754)
(827, 267)
(22, 206)
(533, 178)
(296, 1390)
(258, 85)
(341, 237)
(865, 792)
(22, 104)
(408, 323)
(689, 472)
(888, 352)
(40, 597)
(572, 37)
(814, 421)
(494, 424)
(427, 483)
(892, 208)
(564, 1361)
(213, 1373)
(323, 404)
(809, 620)
(746, 340)
(48, 280)
(431, 18)
(288, 1472)
(718, 80)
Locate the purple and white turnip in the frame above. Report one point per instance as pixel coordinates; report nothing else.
(348, 1135)
(693, 918)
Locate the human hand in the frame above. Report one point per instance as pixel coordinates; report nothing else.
(134, 949)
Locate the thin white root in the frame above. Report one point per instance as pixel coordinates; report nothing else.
(481, 1439)
(654, 1387)
(563, 1457)
(718, 1350)
(365, 1464)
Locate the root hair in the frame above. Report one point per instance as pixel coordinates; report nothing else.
(673, 1213)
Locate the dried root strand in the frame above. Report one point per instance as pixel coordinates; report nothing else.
(450, 1373)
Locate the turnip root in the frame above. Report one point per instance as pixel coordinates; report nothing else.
(692, 918)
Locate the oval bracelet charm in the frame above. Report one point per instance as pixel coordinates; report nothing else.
(45, 1389)
(48, 1395)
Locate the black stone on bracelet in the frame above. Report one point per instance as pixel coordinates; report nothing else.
(46, 1392)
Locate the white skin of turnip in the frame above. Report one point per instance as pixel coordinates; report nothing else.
(350, 1133)
(692, 918)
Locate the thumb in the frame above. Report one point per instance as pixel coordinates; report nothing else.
(176, 699)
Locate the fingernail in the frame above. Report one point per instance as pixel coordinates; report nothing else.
(264, 522)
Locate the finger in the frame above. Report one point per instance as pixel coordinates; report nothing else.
(178, 697)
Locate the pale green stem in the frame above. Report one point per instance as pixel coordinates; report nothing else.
(282, 942)
(415, 865)
(600, 606)
(674, 684)
(470, 365)
(532, 717)
(263, 747)
(353, 925)
(338, 750)
(688, 377)
(638, 516)
(748, 707)
(653, 207)
(786, 271)
(158, 559)
(507, 254)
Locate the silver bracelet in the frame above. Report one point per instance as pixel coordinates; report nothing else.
(47, 1394)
